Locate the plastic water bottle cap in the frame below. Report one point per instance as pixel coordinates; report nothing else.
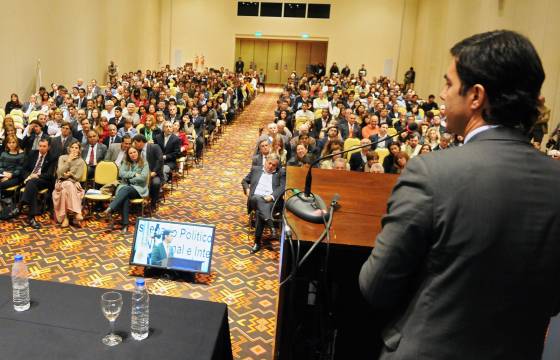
(18, 257)
(140, 282)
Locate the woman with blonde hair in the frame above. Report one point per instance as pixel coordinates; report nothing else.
(150, 130)
(68, 193)
(432, 137)
(102, 129)
(279, 149)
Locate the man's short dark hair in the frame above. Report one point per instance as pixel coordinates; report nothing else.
(139, 138)
(507, 65)
(118, 108)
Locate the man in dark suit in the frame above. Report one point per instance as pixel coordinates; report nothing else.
(35, 134)
(59, 144)
(81, 101)
(321, 124)
(93, 153)
(199, 124)
(154, 156)
(382, 134)
(39, 174)
(350, 128)
(170, 145)
(358, 159)
(264, 150)
(466, 266)
(118, 120)
(113, 137)
(263, 185)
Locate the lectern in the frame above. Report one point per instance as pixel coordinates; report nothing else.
(320, 311)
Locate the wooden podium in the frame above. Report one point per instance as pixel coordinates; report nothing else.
(320, 312)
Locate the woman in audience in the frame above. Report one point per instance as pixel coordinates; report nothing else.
(401, 158)
(7, 131)
(279, 148)
(45, 102)
(13, 104)
(210, 115)
(68, 193)
(417, 112)
(127, 128)
(6, 124)
(100, 102)
(142, 112)
(150, 130)
(426, 148)
(334, 148)
(103, 129)
(432, 137)
(301, 156)
(372, 164)
(178, 131)
(160, 119)
(95, 117)
(11, 163)
(134, 173)
(389, 160)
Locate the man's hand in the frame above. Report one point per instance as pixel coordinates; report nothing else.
(153, 174)
(268, 198)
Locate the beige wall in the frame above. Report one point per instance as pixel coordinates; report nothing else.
(74, 39)
(441, 23)
(359, 31)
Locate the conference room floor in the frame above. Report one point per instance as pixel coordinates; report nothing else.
(93, 256)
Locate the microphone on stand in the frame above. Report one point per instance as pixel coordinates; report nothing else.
(312, 208)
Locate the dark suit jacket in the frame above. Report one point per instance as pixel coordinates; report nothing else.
(158, 254)
(100, 153)
(155, 159)
(118, 139)
(356, 162)
(58, 148)
(82, 104)
(257, 160)
(27, 142)
(251, 181)
(466, 264)
(171, 151)
(345, 130)
(47, 169)
(375, 138)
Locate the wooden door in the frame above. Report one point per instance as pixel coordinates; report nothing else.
(261, 55)
(318, 53)
(247, 53)
(303, 53)
(274, 62)
(288, 60)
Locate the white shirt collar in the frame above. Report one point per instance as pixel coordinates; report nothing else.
(478, 131)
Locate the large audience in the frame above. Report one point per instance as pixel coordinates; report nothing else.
(322, 114)
(149, 124)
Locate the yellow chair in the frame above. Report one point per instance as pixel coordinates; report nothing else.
(349, 144)
(33, 115)
(181, 109)
(2, 113)
(173, 91)
(18, 120)
(16, 112)
(382, 154)
(139, 127)
(391, 131)
(318, 113)
(106, 172)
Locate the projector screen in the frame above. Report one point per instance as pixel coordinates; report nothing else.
(173, 245)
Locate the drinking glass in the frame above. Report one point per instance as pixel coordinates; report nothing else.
(111, 305)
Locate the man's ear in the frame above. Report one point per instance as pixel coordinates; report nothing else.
(477, 97)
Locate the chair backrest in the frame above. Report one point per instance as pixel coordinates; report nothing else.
(391, 131)
(17, 112)
(106, 172)
(382, 154)
(318, 113)
(84, 174)
(350, 143)
(2, 112)
(33, 115)
(138, 127)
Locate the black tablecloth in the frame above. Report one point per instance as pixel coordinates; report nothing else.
(66, 322)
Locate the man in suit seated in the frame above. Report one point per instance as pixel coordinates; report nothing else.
(260, 158)
(359, 159)
(263, 185)
(117, 151)
(59, 144)
(170, 145)
(162, 251)
(382, 134)
(93, 153)
(38, 174)
(35, 134)
(350, 128)
(154, 156)
(82, 134)
(113, 136)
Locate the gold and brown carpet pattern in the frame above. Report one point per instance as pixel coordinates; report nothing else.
(212, 194)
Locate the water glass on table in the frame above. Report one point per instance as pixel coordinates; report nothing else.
(111, 305)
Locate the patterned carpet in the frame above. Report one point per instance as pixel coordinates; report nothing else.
(93, 256)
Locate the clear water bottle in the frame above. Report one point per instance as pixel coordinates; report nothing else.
(140, 317)
(20, 284)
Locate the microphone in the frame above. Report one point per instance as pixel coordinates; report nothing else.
(312, 208)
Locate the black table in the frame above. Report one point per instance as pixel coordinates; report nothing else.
(65, 322)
